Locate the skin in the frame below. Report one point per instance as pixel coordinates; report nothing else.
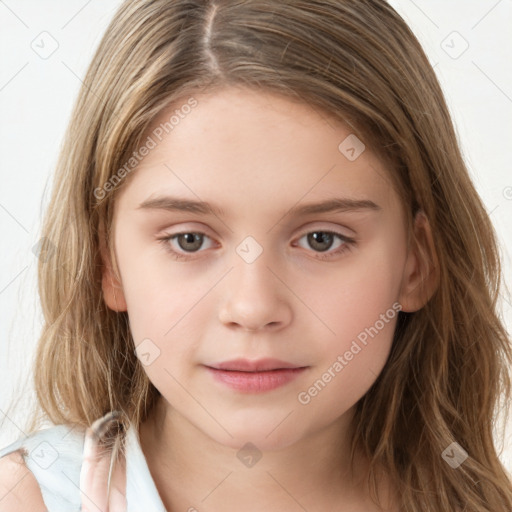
(257, 155)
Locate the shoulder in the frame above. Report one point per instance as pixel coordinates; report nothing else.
(19, 489)
(42, 471)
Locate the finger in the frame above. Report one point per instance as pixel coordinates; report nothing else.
(117, 501)
(94, 474)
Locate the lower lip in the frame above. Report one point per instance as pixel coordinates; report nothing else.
(256, 382)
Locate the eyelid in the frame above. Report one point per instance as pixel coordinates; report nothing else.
(311, 226)
(336, 228)
(204, 230)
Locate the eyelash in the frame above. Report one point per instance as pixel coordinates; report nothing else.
(347, 245)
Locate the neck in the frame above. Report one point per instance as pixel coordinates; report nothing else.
(194, 472)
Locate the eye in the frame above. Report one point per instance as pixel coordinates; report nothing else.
(189, 242)
(322, 241)
(179, 244)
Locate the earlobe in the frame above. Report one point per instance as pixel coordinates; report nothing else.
(421, 272)
(113, 294)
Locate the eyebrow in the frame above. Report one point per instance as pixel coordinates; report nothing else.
(333, 205)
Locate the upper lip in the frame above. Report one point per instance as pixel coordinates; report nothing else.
(259, 365)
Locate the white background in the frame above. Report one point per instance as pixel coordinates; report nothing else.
(36, 96)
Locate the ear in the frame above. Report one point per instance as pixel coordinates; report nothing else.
(112, 288)
(421, 272)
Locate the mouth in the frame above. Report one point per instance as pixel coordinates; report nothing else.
(259, 365)
(255, 376)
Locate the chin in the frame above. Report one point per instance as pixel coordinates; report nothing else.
(264, 435)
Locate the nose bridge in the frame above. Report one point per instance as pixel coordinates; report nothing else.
(250, 250)
(252, 266)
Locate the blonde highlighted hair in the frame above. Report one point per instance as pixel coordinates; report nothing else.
(355, 60)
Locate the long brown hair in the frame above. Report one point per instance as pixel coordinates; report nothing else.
(355, 60)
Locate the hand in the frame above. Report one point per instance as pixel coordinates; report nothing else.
(94, 474)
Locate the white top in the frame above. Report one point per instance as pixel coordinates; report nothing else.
(54, 456)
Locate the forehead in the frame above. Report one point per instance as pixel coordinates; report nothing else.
(244, 148)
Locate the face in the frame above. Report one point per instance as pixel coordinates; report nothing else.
(264, 274)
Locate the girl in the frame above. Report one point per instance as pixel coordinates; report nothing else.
(329, 340)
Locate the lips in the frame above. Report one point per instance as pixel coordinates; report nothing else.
(244, 375)
(260, 365)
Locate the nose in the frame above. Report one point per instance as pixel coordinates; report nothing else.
(255, 296)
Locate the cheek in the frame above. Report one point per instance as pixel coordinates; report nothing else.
(159, 312)
(359, 306)
(349, 360)
(348, 373)
(359, 290)
(149, 277)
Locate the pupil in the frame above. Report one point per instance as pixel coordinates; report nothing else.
(190, 238)
(320, 237)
